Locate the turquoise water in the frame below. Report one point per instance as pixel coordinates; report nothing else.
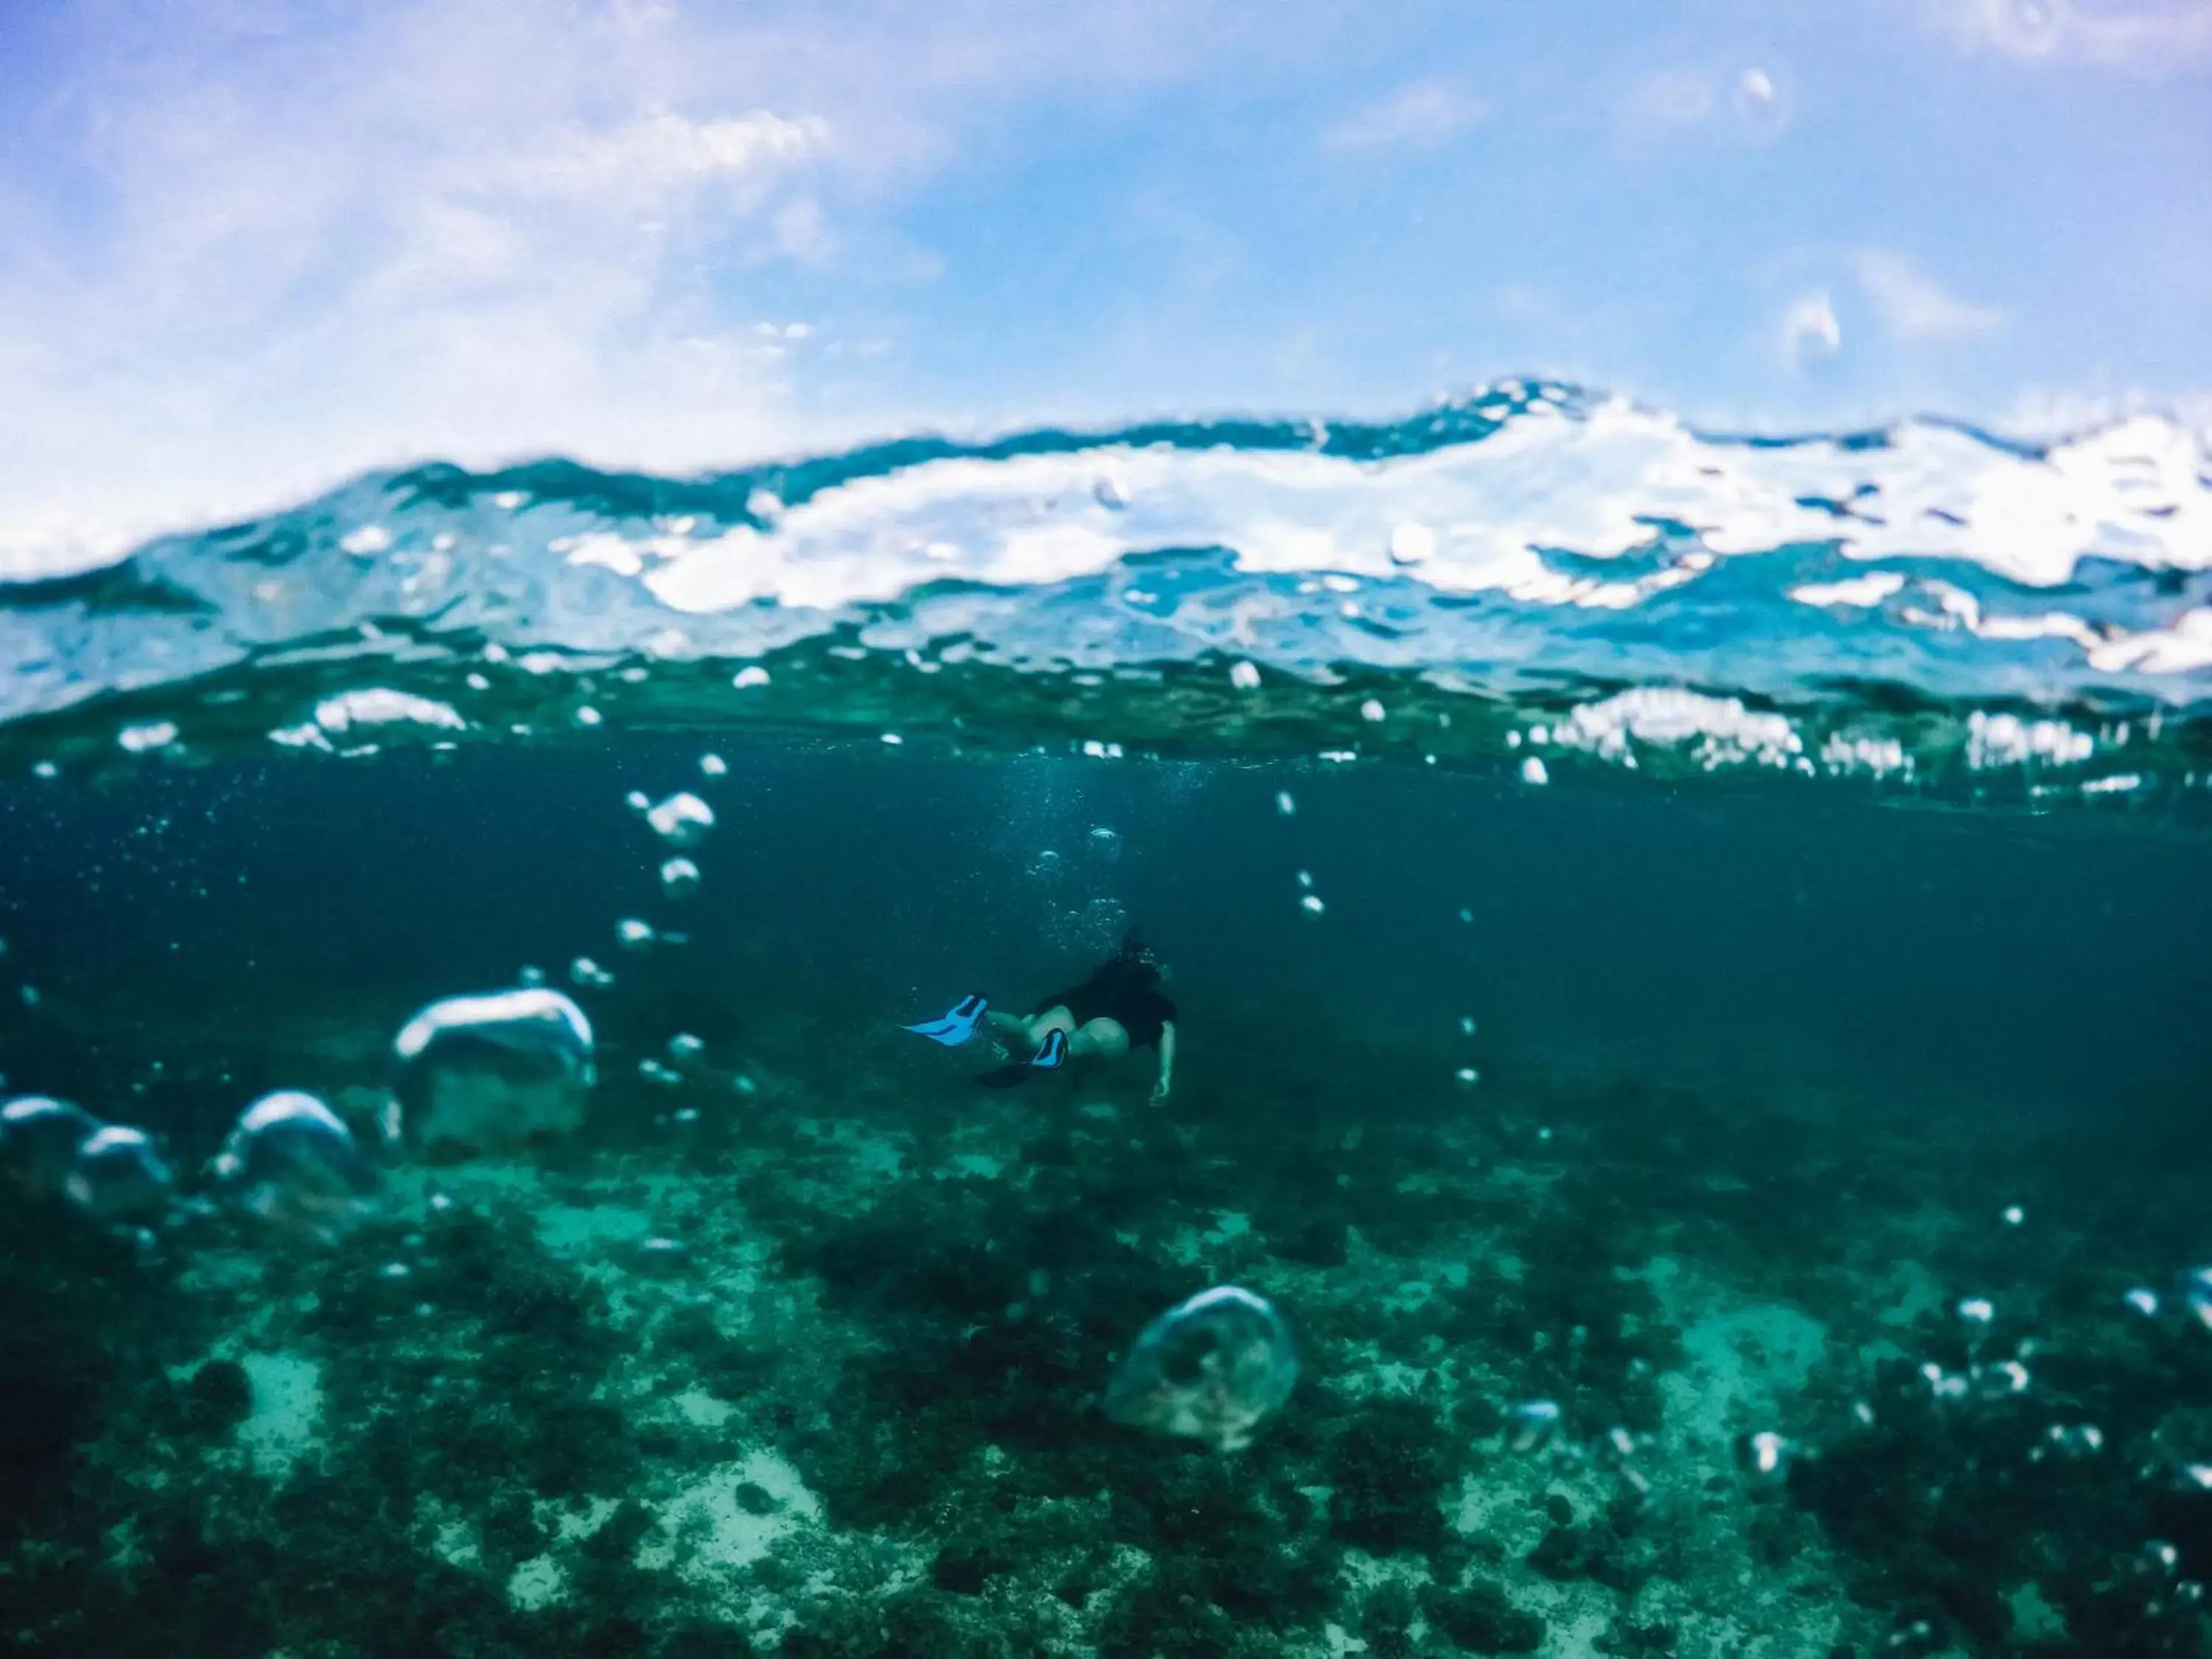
(1687, 953)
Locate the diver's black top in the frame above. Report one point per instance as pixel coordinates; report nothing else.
(1121, 992)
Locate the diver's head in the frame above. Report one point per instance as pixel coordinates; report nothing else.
(1136, 955)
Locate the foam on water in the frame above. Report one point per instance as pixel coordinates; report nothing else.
(1556, 567)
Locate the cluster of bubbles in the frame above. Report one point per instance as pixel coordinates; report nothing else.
(1539, 1428)
(495, 1073)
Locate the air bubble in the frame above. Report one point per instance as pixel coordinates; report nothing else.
(1104, 845)
(1467, 1024)
(2006, 1378)
(140, 739)
(1285, 804)
(117, 1176)
(1373, 712)
(2077, 1439)
(1211, 1368)
(1531, 1425)
(2198, 1294)
(2144, 1302)
(680, 877)
(714, 766)
(747, 678)
(684, 1046)
(1466, 1077)
(682, 820)
(497, 1072)
(39, 1141)
(1311, 904)
(291, 1163)
(1976, 1310)
(2014, 1215)
(633, 934)
(586, 972)
(1244, 676)
(1412, 543)
(1534, 771)
(654, 1072)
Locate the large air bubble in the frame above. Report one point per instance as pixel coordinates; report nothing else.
(1210, 1369)
(39, 1139)
(292, 1163)
(502, 1073)
(119, 1175)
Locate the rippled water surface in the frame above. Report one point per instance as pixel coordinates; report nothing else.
(1687, 954)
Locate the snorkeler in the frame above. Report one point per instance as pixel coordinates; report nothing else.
(1119, 1008)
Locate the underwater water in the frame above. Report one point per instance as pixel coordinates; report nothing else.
(1692, 1038)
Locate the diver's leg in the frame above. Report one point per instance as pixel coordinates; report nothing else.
(1017, 1031)
(1098, 1039)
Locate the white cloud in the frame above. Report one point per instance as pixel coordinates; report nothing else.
(245, 251)
(1913, 307)
(661, 151)
(1420, 116)
(2142, 35)
(1671, 98)
(1754, 103)
(1810, 333)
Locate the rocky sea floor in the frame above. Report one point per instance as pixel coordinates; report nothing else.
(800, 1353)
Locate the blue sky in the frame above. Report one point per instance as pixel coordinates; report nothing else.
(248, 247)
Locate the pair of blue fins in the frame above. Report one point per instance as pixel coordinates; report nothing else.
(958, 1026)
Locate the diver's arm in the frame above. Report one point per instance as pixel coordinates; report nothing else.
(1167, 1061)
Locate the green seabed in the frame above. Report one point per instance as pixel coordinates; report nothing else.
(817, 1369)
(801, 1354)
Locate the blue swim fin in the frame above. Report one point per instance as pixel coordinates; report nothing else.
(1050, 1057)
(956, 1027)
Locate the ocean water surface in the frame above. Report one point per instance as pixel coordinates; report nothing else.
(1691, 1000)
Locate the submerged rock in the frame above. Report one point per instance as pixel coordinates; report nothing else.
(498, 1072)
(218, 1397)
(292, 1163)
(1209, 1369)
(1480, 1619)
